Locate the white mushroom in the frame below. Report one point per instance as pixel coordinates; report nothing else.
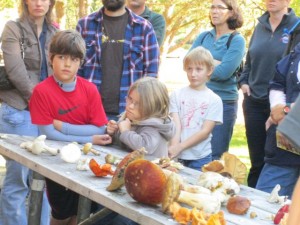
(70, 153)
(38, 145)
(83, 164)
(274, 196)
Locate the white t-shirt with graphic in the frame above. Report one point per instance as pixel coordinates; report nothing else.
(194, 107)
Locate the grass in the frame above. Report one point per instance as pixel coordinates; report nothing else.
(238, 145)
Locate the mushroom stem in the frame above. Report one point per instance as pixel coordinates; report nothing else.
(88, 148)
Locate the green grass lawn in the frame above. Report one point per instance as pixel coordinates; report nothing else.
(238, 144)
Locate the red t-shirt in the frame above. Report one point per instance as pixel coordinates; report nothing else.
(81, 106)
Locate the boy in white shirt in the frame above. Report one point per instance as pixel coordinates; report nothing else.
(196, 110)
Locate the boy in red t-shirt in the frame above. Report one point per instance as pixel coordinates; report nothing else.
(67, 107)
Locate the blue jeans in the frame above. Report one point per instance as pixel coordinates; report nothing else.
(284, 175)
(222, 133)
(197, 163)
(16, 183)
(256, 114)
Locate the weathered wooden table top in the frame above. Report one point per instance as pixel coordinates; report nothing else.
(87, 184)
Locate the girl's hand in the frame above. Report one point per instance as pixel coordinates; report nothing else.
(103, 139)
(57, 124)
(124, 125)
(112, 127)
(174, 151)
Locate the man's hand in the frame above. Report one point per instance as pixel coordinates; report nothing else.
(103, 139)
(277, 113)
(269, 122)
(245, 89)
(112, 127)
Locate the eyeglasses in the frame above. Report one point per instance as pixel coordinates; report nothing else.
(129, 101)
(218, 7)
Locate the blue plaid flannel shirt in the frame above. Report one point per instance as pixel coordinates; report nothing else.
(140, 51)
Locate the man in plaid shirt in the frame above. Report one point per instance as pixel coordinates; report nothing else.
(121, 47)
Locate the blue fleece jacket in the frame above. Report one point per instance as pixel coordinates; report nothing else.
(222, 81)
(284, 80)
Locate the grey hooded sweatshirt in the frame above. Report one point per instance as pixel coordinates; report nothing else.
(153, 134)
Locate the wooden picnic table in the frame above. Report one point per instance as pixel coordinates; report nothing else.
(91, 187)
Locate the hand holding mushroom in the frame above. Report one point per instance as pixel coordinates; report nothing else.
(112, 127)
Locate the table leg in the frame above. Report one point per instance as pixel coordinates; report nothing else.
(36, 199)
(84, 208)
(97, 216)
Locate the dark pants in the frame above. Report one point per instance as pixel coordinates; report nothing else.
(256, 114)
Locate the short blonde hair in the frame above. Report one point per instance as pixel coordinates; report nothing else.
(198, 55)
(154, 98)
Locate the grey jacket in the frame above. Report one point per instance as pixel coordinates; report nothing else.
(153, 134)
(24, 74)
(266, 48)
(158, 22)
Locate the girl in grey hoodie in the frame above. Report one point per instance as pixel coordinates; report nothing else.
(145, 122)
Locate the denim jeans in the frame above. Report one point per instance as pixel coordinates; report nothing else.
(222, 133)
(256, 114)
(284, 175)
(16, 183)
(197, 163)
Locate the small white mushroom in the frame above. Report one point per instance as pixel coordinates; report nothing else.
(70, 153)
(38, 145)
(83, 164)
(274, 196)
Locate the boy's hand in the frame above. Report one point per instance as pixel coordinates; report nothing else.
(124, 125)
(174, 151)
(103, 139)
(57, 124)
(112, 127)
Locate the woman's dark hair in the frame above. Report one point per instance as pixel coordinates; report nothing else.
(24, 13)
(67, 42)
(236, 20)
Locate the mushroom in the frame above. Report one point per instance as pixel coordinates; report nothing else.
(38, 145)
(88, 148)
(70, 153)
(274, 196)
(111, 159)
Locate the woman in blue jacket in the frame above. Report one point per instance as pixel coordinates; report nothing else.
(225, 17)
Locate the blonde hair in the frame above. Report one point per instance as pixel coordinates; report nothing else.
(199, 55)
(154, 99)
(24, 13)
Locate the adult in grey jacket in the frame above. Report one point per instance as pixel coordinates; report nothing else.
(266, 48)
(35, 21)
